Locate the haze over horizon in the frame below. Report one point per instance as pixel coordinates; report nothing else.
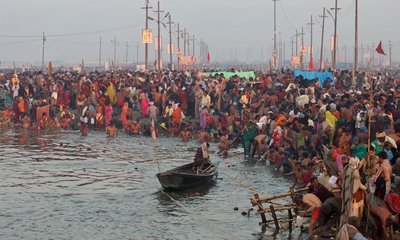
(233, 29)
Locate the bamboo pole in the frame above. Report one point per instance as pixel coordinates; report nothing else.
(369, 147)
(263, 218)
(280, 220)
(278, 208)
(267, 199)
(274, 217)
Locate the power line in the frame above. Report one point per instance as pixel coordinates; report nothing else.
(20, 36)
(92, 32)
(285, 15)
(17, 42)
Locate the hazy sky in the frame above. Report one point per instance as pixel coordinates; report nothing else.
(241, 29)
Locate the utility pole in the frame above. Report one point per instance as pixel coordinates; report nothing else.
(178, 33)
(373, 53)
(43, 41)
(335, 36)
(390, 53)
(292, 42)
(355, 44)
(362, 55)
(322, 40)
(302, 48)
(194, 41)
(126, 54)
(159, 37)
(311, 39)
(296, 35)
(137, 52)
(100, 54)
(170, 41)
(184, 41)
(188, 43)
(146, 56)
(115, 51)
(275, 32)
(284, 53)
(302, 37)
(280, 52)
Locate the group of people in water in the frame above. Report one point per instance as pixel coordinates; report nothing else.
(333, 133)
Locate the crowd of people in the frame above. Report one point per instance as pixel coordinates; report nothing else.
(313, 129)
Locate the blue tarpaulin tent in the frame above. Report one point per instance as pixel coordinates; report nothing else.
(322, 76)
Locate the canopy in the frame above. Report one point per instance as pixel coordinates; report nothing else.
(228, 75)
(322, 76)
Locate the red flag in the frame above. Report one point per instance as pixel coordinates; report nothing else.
(153, 130)
(312, 66)
(379, 48)
(208, 57)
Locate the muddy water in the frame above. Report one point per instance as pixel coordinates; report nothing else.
(59, 185)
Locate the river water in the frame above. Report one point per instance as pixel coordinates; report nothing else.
(59, 185)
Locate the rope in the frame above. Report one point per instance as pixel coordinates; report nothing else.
(244, 186)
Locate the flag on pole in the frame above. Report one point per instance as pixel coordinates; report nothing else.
(208, 57)
(153, 130)
(379, 48)
(312, 66)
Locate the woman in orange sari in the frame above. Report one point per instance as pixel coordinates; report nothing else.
(177, 117)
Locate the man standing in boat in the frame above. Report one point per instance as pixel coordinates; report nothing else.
(201, 158)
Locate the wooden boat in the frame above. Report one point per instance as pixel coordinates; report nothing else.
(183, 177)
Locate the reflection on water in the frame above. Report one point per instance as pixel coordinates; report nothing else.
(63, 186)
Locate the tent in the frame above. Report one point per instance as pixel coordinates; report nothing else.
(228, 75)
(322, 76)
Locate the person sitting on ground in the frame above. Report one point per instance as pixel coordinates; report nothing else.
(201, 158)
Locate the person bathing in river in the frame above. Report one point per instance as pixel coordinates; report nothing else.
(84, 129)
(225, 143)
(201, 158)
(111, 130)
(186, 135)
(26, 122)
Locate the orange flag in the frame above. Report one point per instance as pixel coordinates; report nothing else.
(312, 66)
(50, 68)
